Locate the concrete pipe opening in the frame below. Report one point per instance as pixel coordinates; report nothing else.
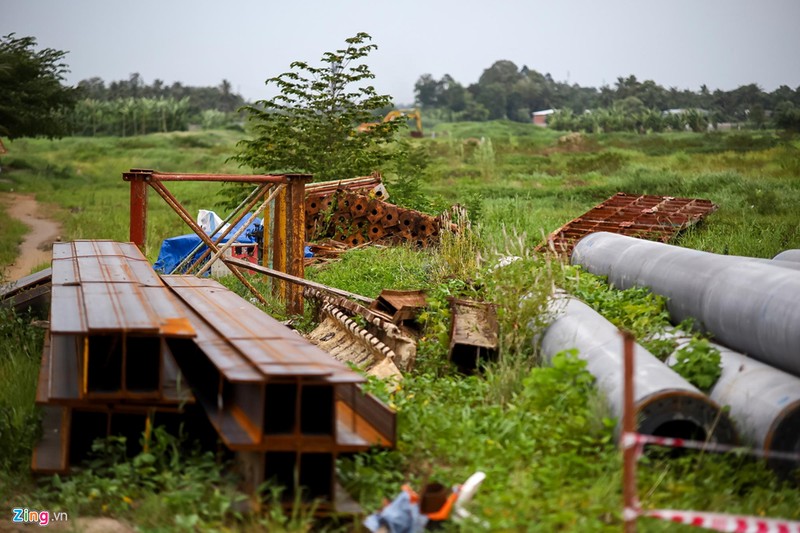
(784, 436)
(685, 415)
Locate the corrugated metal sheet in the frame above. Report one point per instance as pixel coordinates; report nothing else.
(645, 216)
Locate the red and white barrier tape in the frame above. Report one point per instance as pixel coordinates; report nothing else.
(637, 439)
(725, 522)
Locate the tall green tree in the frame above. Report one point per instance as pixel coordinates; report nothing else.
(311, 126)
(33, 98)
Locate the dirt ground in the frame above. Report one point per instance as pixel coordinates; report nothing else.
(38, 242)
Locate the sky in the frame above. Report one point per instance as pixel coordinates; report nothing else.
(681, 43)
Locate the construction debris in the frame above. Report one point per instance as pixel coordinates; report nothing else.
(30, 292)
(656, 218)
(402, 307)
(346, 341)
(355, 212)
(473, 333)
(402, 341)
(124, 347)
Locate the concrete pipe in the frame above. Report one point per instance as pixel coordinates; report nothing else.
(666, 404)
(750, 305)
(788, 256)
(764, 403)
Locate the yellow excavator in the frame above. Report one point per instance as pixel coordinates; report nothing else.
(408, 114)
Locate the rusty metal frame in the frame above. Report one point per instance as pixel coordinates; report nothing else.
(287, 239)
(644, 216)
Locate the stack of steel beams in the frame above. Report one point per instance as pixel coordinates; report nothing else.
(287, 407)
(106, 367)
(127, 349)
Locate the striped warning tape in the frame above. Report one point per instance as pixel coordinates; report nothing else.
(725, 522)
(637, 439)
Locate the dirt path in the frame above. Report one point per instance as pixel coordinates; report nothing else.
(38, 242)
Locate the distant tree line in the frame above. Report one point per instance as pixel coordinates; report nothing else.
(33, 99)
(505, 91)
(132, 107)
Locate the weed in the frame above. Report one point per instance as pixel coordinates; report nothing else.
(20, 353)
(636, 310)
(164, 485)
(699, 363)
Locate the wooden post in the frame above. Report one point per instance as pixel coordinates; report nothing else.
(630, 501)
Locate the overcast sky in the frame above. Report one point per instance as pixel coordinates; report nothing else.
(679, 43)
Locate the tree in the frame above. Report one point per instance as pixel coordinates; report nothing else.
(311, 125)
(427, 91)
(32, 98)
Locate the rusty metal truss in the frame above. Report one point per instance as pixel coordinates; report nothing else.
(657, 218)
(282, 201)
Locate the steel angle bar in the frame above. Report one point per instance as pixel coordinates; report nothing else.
(252, 197)
(148, 174)
(241, 230)
(184, 215)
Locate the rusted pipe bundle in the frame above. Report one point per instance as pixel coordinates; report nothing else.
(666, 404)
(764, 402)
(751, 306)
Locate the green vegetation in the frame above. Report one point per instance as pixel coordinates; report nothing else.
(505, 91)
(309, 127)
(34, 99)
(132, 107)
(542, 434)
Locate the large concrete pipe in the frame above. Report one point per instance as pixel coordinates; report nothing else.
(666, 404)
(788, 255)
(751, 306)
(764, 402)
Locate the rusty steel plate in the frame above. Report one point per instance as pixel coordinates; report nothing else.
(105, 286)
(294, 358)
(271, 347)
(644, 216)
(66, 310)
(113, 307)
(43, 277)
(232, 316)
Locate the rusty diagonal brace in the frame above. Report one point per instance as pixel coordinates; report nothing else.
(263, 189)
(252, 197)
(241, 229)
(181, 211)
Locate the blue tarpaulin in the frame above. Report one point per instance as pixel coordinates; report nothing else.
(174, 249)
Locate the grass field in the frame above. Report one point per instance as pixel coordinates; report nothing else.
(542, 435)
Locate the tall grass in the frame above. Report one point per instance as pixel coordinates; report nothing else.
(20, 353)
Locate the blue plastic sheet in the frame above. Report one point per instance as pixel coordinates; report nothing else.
(175, 249)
